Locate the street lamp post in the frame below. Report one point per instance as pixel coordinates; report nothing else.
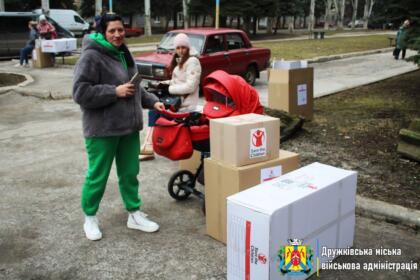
(217, 13)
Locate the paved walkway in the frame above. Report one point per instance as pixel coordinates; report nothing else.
(330, 77)
(338, 75)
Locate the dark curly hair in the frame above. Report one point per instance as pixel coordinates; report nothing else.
(105, 19)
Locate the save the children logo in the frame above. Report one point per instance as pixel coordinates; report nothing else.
(295, 259)
(258, 143)
(258, 137)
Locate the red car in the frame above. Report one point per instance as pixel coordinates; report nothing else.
(133, 31)
(218, 49)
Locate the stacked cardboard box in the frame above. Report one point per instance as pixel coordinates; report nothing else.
(244, 153)
(59, 45)
(291, 88)
(297, 215)
(41, 59)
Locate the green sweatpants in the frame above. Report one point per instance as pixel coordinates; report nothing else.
(101, 153)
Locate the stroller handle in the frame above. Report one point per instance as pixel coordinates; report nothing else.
(170, 114)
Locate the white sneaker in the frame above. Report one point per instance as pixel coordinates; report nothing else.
(18, 65)
(26, 65)
(138, 220)
(91, 228)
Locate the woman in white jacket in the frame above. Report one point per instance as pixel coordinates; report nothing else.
(186, 74)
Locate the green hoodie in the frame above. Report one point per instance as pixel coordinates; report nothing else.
(100, 40)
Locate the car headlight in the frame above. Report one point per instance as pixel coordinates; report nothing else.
(159, 72)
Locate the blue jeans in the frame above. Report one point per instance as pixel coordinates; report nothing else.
(24, 53)
(153, 116)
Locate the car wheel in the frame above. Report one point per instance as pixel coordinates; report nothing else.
(251, 74)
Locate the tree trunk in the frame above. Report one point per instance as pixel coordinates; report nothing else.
(247, 24)
(196, 20)
(254, 25)
(312, 16)
(238, 22)
(327, 15)
(2, 6)
(341, 7)
(147, 23)
(283, 24)
(367, 12)
(204, 21)
(276, 26)
(175, 19)
(270, 25)
(230, 22)
(185, 13)
(167, 23)
(355, 4)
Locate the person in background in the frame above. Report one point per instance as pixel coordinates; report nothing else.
(112, 119)
(185, 82)
(45, 29)
(401, 40)
(24, 52)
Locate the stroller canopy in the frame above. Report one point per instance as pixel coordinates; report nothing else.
(229, 95)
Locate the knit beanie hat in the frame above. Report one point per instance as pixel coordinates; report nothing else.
(182, 40)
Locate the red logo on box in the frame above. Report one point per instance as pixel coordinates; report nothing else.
(257, 138)
(262, 258)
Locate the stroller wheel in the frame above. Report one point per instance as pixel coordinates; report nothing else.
(181, 184)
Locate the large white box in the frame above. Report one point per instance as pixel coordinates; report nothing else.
(59, 45)
(315, 204)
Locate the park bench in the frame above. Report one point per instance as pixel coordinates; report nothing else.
(318, 34)
(392, 41)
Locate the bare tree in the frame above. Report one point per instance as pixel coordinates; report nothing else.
(45, 5)
(311, 16)
(328, 7)
(340, 6)
(186, 13)
(147, 20)
(98, 7)
(367, 12)
(354, 4)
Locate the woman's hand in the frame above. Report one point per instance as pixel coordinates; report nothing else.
(125, 90)
(159, 106)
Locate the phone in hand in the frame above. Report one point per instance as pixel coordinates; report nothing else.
(135, 79)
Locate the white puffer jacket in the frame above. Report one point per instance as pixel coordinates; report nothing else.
(186, 82)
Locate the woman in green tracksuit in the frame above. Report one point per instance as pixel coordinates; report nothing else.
(112, 118)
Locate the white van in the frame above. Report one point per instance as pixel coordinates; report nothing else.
(69, 19)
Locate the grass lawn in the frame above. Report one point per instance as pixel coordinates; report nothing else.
(300, 49)
(305, 49)
(69, 60)
(144, 39)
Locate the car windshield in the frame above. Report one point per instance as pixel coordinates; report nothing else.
(167, 42)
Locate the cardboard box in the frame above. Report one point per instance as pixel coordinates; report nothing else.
(222, 181)
(292, 91)
(59, 45)
(244, 139)
(40, 59)
(289, 64)
(192, 163)
(314, 204)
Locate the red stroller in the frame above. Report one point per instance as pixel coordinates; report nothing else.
(176, 135)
